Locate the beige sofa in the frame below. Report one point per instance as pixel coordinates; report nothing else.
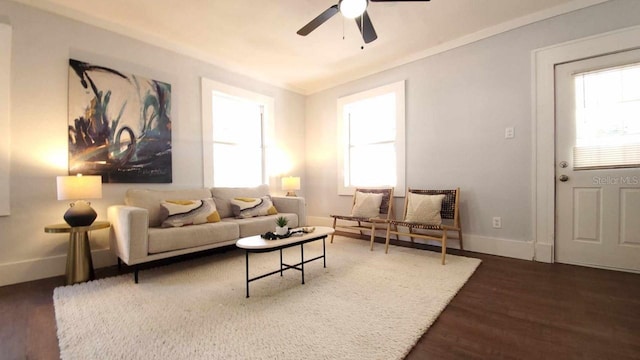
(136, 236)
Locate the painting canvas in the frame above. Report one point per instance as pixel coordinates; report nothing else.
(119, 125)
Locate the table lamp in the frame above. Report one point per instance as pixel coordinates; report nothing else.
(290, 184)
(79, 188)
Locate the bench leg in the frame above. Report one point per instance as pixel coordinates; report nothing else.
(373, 235)
(386, 242)
(444, 245)
(334, 228)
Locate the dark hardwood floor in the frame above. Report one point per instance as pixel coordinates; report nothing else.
(509, 309)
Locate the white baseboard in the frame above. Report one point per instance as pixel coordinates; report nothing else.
(29, 270)
(544, 253)
(476, 243)
(496, 246)
(319, 221)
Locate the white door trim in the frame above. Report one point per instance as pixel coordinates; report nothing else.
(543, 64)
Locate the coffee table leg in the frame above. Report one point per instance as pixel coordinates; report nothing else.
(247, 262)
(302, 261)
(280, 262)
(324, 252)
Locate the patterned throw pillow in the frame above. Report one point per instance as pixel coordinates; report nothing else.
(367, 205)
(424, 209)
(246, 207)
(178, 213)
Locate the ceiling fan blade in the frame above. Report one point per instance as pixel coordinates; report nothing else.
(366, 28)
(319, 20)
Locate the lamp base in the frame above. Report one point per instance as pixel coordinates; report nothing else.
(291, 193)
(80, 214)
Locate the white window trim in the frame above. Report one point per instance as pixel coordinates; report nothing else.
(208, 88)
(399, 89)
(5, 125)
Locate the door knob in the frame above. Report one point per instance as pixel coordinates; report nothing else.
(563, 178)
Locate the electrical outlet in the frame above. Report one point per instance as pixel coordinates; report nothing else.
(497, 222)
(509, 132)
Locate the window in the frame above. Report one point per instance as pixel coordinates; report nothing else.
(608, 118)
(372, 147)
(235, 124)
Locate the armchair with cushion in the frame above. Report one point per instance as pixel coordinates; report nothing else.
(368, 204)
(429, 215)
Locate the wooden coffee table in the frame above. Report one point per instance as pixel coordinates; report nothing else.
(256, 244)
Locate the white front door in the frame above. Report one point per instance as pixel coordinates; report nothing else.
(598, 162)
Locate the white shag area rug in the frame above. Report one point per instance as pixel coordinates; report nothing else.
(364, 305)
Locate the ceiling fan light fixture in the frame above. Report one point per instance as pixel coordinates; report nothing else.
(352, 8)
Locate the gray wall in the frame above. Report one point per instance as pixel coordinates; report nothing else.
(458, 104)
(42, 45)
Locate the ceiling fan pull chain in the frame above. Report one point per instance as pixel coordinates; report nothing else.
(362, 27)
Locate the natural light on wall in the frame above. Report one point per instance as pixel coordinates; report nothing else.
(608, 118)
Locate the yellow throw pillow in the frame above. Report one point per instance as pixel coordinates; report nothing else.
(246, 207)
(178, 213)
(424, 209)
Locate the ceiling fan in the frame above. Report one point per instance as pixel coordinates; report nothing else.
(352, 9)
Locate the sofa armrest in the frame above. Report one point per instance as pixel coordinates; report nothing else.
(129, 233)
(292, 204)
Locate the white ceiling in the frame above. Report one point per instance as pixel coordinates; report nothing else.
(258, 37)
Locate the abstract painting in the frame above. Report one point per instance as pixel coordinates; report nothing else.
(119, 125)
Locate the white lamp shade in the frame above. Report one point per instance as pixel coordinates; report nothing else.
(290, 183)
(79, 187)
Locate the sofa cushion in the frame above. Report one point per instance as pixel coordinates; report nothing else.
(150, 200)
(163, 240)
(176, 213)
(222, 197)
(245, 207)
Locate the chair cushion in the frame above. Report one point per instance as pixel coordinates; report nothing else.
(424, 209)
(367, 205)
(176, 213)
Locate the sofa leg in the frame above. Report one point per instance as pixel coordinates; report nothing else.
(119, 265)
(135, 275)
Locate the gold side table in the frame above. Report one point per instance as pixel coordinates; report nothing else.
(79, 263)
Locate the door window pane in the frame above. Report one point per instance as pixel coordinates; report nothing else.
(608, 118)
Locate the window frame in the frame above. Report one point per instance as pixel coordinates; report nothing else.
(5, 124)
(397, 88)
(209, 87)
